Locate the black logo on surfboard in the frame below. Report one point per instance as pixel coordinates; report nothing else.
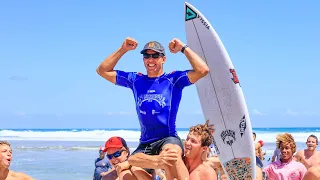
(243, 125)
(228, 136)
(190, 14)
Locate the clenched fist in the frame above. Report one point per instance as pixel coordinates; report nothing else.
(129, 44)
(175, 45)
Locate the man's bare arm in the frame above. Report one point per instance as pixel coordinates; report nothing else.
(145, 161)
(112, 175)
(200, 68)
(161, 161)
(106, 68)
(298, 156)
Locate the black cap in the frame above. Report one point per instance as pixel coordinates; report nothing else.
(155, 46)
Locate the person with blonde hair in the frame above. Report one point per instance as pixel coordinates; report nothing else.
(285, 168)
(5, 161)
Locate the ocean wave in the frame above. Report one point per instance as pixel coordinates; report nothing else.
(60, 148)
(128, 135)
(73, 135)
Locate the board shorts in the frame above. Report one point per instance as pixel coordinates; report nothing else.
(155, 148)
(259, 162)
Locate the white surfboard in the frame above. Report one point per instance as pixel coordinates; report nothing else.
(222, 100)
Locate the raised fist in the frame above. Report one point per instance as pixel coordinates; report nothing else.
(129, 44)
(175, 45)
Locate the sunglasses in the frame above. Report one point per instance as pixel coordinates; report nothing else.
(116, 154)
(154, 56)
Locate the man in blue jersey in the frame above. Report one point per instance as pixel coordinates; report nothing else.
(157, 96)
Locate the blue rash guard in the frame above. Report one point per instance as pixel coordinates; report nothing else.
(157, 101)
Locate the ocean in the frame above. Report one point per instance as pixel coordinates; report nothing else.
(69, 154)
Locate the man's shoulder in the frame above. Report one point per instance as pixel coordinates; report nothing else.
(176, 74)
(20, 175)
(300, 152)
(130, 74)
(204, 170)
(134, 76)
(312, 173)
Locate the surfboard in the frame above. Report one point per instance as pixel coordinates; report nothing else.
(222, 99)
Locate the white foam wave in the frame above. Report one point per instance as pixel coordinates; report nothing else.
(300, 137)
(93, 135)
(128, 135)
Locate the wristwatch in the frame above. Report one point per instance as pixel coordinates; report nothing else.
(183, 48)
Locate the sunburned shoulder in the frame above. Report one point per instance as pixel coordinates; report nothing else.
(18, 176)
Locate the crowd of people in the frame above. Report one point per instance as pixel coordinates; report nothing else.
(161, 153)
(288, 164)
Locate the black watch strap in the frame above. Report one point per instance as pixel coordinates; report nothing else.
(183, 48)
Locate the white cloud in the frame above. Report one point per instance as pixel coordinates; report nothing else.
(257, 112)
(59, 115)
(289, 112)
(18, 78)
(21, 113)
(310, 113)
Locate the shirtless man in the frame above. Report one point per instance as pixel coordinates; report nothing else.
(310, 156)
(5, 160)
(196, 151)
(313, 173)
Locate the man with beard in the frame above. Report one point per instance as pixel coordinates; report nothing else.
(285, 168)
(5, 161)
(310, 156)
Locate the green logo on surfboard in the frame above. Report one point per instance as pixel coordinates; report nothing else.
(190, 14)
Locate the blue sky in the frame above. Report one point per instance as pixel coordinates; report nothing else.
(49, 51)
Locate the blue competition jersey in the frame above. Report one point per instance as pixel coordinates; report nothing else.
(157, 101)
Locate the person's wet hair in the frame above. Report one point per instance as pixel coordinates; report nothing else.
(204, 131)
(5, 143)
